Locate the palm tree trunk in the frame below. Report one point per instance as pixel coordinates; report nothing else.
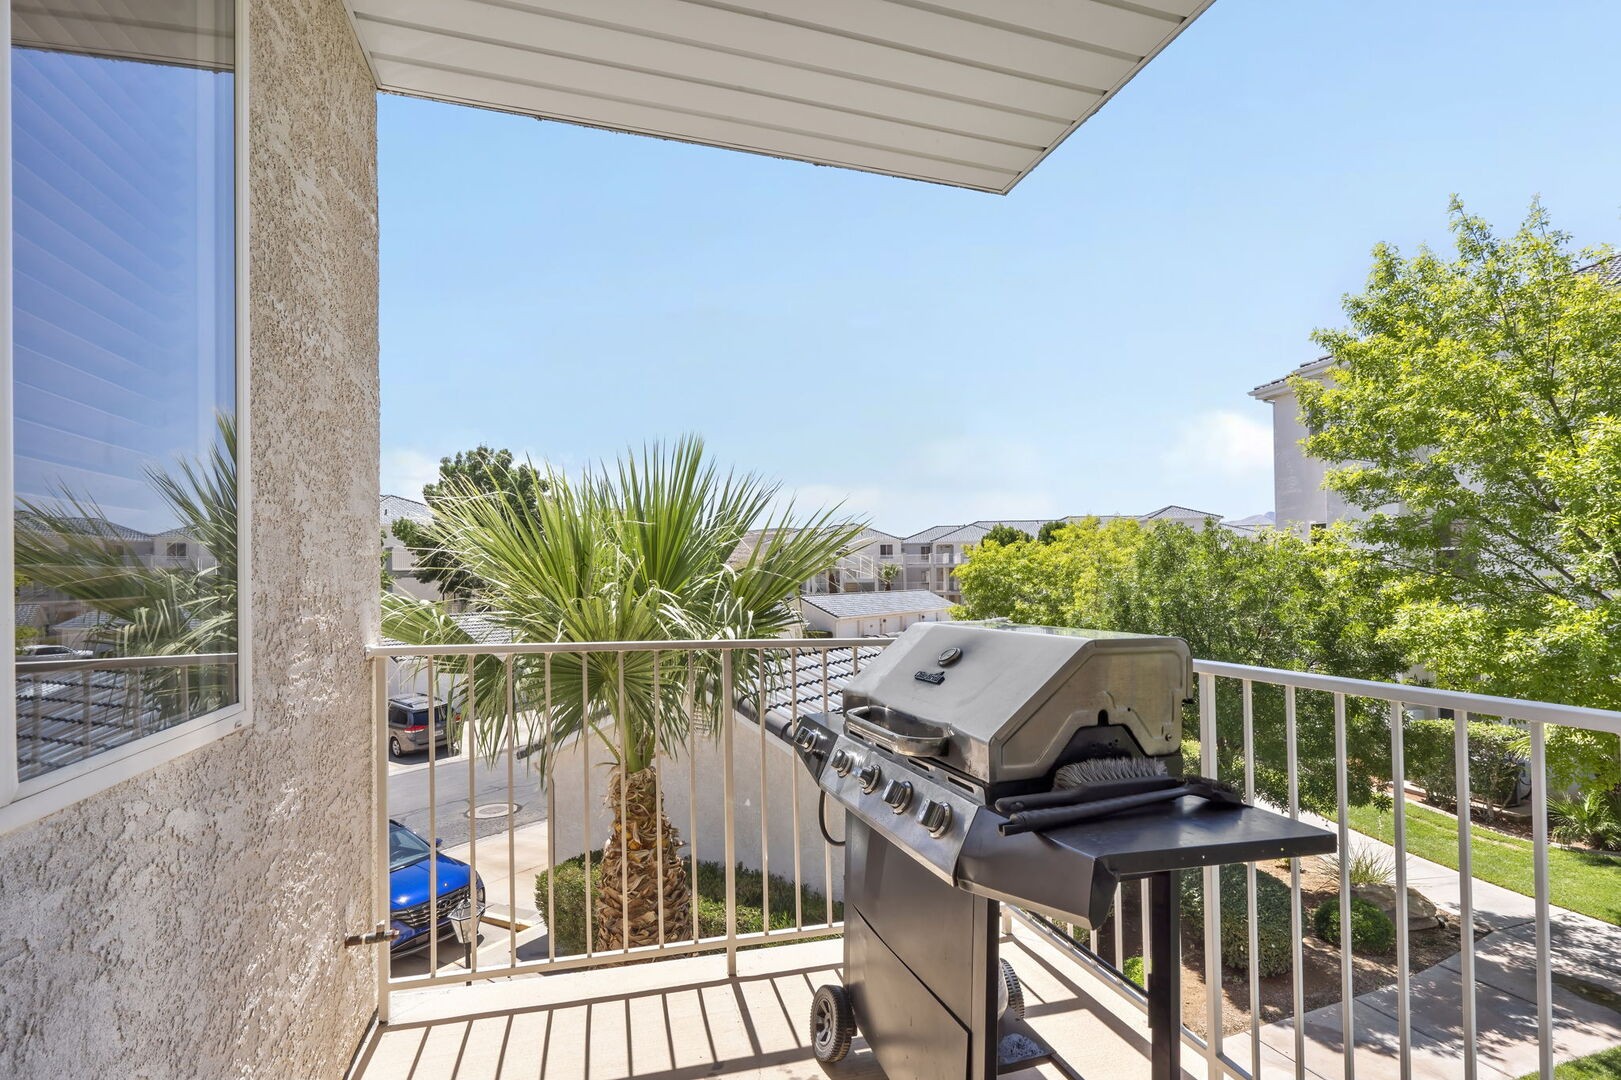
(631, 879)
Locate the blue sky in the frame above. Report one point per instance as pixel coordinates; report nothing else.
(928, 355)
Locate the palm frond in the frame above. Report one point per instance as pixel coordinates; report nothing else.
(636, 552)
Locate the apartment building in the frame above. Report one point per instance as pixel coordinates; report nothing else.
(930, 558)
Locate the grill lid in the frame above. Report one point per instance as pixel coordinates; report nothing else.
(1002, 704)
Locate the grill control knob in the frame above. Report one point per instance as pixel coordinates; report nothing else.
(869, 776)
(898, 795)
(842, 762)
(935, 817)
(806, 739)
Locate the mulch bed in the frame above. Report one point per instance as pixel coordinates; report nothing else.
(1318, 883)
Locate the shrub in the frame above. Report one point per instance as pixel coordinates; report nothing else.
(1589, 820)
(569, 899)
(1369, 865)
(1371, 929)
(1271, 918)
(1133, 970)
(1496, 759)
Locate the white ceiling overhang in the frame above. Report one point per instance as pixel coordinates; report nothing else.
(972, 93)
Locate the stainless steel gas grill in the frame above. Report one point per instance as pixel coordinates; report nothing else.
(1040, 768)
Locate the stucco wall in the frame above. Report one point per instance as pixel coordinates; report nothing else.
(186, 923)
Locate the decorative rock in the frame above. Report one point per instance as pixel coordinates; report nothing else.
(1421, 914)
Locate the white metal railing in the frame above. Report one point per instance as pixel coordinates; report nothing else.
(774, 678)
(70, 708)
(1324, 699)
(1395, 701)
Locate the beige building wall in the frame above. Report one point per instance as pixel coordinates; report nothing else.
(186, 923)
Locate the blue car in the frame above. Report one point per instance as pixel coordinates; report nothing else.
(409, 860)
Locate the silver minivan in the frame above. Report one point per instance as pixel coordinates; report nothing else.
(408, 724)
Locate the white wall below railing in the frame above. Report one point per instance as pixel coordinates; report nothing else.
(769, 816)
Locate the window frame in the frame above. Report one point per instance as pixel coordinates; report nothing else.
(24, 802)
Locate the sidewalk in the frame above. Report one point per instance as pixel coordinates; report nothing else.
(1587, 988)
(508, 895)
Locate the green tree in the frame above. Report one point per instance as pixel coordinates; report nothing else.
(638, 552)
(1049, 531)
(887, 573)
(1005, 535)
(1475, 415)
(1054, 584)
(1272, 601)
(486, 472)
(70, 546)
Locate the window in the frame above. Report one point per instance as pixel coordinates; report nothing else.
(123, 372)
(885, 550)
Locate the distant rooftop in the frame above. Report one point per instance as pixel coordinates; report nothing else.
(854, 604)
(928, 535)
(1174, 511)
(813, 683)
(975, 532)
(393, 507)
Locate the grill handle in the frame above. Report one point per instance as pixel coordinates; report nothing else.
(1040, 800)
(1058, 816)
(896, 742)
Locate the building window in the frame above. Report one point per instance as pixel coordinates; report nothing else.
(886, 550)
(124, 364)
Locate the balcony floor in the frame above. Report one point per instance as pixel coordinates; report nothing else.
(680, 1019)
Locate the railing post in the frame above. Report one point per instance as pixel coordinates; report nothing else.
(1210, 766)
(379, 826)
(728, 700)
(1466, 895)
(1347, 970)
(1539, 849)
(1404, 981)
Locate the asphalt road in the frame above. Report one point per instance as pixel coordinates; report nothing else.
(408, 782)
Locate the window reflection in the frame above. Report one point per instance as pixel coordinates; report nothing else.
(124, 371)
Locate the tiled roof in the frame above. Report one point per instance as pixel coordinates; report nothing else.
(814, 683)
(974, 533)
(89, 526)
(1180, 512)
(929, 534)
(482, 629)
(87, 621)
(854, 604)
(1311, 367)
(393, 507)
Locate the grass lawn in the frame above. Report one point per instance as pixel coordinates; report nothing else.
(1581, 881)
(1604, 1065)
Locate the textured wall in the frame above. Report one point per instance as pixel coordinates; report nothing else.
(185, 923)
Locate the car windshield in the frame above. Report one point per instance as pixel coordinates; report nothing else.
(405, 847)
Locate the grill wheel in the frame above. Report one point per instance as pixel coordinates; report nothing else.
(833, 1023)
(1015, 992)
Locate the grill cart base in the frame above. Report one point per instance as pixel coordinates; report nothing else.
(922, 978)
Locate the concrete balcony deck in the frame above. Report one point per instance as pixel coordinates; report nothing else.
(685, 1019)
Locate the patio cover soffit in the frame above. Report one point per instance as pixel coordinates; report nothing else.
(972, 93)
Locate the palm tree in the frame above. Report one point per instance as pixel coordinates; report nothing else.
(647, 550)
(69, 545)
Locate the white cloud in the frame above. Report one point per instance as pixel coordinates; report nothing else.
(405, 471)
(1221, 459)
